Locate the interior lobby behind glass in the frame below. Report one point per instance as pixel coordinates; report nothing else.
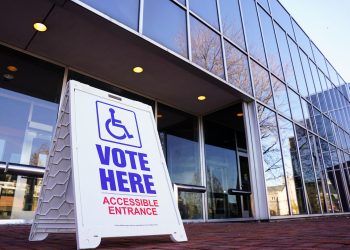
(227, 168)
(30, 91)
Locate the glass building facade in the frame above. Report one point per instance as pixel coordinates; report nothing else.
(281, 149)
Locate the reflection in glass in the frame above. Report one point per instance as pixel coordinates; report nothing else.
(178, 134)
(308, 171)
(319, 58)
(295, 107)
(307, 117)
(319, 123)
(126, 12)
(222, 169)
(339, 178)
(262, 85)
(190, 205)
(298, 69)
(253, 34)
(167, 26)
(280, 96)
(292, 166)
(273, 165)
(318, 173)
(206, 48)
(231, 21)
(285, 57)
(308, 77)
(237, 68)
(26, 136)
(302, 38)
(332, 185)
(270, 44)
(206, 9)
(321, 170)
(282, 16)
(18, 196)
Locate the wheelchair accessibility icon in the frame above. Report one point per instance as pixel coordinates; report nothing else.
(117, 125)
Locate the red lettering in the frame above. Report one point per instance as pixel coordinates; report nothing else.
(105, 200)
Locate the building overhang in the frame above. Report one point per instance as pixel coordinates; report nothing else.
(89, 43)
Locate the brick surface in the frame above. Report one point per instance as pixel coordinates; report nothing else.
(312, 233)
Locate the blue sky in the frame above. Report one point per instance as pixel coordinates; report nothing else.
(327, 22)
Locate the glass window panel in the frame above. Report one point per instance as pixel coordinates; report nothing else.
(231, 21)
(292, 166)
(302, 39)
(28, 110)
(273, 165)
(178, 132)
(315, 77)
(206, 48)
(308, 171)
(329, 130)
(312, 118)
(319, 59)
(18, 196)
(305, 108)
(190, 205)
(252, 30)
(307, 73)
(280, 96)
(318, 172)
(270, 44)
(319, 123)
(126, 12)
(282, 16)
(323, 172)
(339, 178)
(295, 106)
(168, 26)
(332, 73)
(237, 68)
(285, 57)
(206, 9)
(265, 4)
(329, 95)
(298, 69)
(262, 85)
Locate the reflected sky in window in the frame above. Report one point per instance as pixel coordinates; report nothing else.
(167, 26)
(207, 10)
(126, 12)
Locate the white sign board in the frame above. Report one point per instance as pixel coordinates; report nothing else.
(106, 173)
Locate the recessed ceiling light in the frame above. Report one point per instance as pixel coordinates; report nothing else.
(137, 69)
(8, 76)
(201, 98)
(239, 114)
(11, 68)
(40, 27)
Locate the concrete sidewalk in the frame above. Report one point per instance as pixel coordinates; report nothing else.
(312, 233)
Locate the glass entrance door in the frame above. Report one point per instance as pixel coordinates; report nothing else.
(244, 184)
(226, 162)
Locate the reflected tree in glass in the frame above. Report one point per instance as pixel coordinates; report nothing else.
(206, 48)
(273, 165)
(237, 68)
(262, 85)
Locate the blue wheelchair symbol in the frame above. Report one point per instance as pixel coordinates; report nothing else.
(117, 123)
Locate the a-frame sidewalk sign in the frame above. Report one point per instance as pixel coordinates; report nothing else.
(106, 175)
